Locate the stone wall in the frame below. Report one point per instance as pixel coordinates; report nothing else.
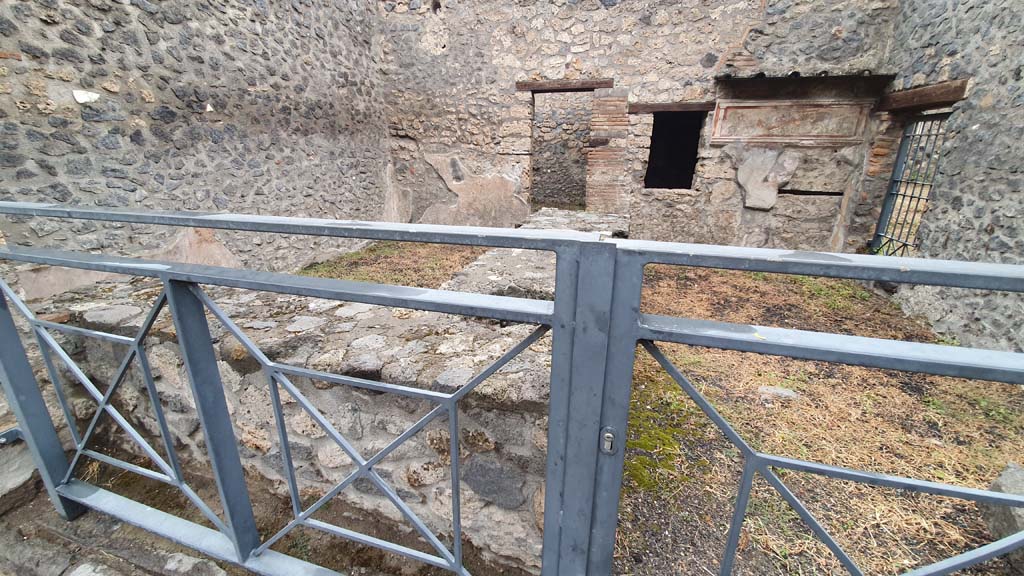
(788, 193)
(977, 206)
(452, 65)
(561, 134)
(503, 423)
(259, 107)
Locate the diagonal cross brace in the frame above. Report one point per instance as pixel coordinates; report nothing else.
(48, 344)
(119, 377)
(172, 472)
(757, 462)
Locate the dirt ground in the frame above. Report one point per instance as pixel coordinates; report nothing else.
(400, 263)
(682, 475)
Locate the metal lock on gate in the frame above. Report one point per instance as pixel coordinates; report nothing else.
(608, 440)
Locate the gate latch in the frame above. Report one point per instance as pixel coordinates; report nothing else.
(608, 440)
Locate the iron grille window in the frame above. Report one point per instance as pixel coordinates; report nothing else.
(910, 186)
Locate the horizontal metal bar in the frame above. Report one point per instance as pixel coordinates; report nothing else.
(984, 276)
(462, 303)
(898, 482)
(528, 238)
(378, 543)
(84, 332)
(189, 534)
(971, 557)
(937, 359)
(360, 382)
(10, 436)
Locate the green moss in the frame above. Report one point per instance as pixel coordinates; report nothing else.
(834, 294)
(935, 404)
(996, 410)
(664, 427)
(398, 263)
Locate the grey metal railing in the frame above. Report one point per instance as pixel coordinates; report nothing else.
(595, 324)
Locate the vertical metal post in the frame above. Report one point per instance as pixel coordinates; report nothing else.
(22, 391)
(618, 383)
(589, 349)
(566, 281)
(204, 377)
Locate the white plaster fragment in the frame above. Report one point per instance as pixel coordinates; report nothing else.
(84, 96)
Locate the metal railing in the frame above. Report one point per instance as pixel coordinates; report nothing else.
(596, 326)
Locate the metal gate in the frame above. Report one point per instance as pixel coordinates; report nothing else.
(910, 185)
(596, 327)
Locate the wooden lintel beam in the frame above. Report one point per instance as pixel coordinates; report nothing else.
(564, 85)
(643, 108)
(934, 96)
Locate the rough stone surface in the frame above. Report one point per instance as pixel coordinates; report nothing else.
(561, 134)
(477, 49)
(977, 204)
(495, 483)
(773, 393)
(304, 323)
(503, 421)
(1003, 521)
(90, 569)
(107, 317)
(480, 199)
(760, 172)
(232, 106)
(736, 201)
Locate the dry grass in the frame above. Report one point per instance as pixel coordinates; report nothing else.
(399, 263)
(933, 428)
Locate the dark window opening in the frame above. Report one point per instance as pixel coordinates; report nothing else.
(674, 144)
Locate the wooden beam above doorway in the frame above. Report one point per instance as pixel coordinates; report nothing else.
(934, 96)
(642, 108)
(582, 85)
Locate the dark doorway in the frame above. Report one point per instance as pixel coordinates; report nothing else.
(561, 134)
(674, 144)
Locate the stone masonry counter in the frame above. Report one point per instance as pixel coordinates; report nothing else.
(503, 422)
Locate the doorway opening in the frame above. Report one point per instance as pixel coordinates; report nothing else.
(674, 144)
(561, 135)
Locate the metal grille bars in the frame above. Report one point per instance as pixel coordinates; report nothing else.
(596, 325)
(910, 186)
